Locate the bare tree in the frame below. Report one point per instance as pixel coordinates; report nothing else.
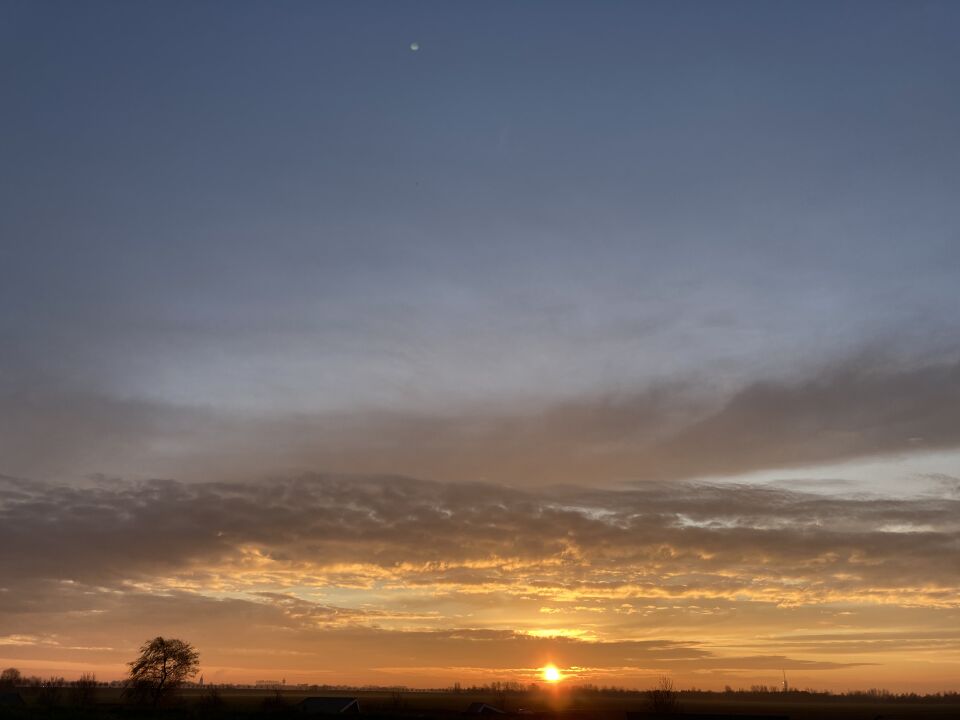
(275, 703)
(84, 691)
(663, 699)
(50, 691)
(499, 694)
(211, 702)
(10, 678)
(162, 667)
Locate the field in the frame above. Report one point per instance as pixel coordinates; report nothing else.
(559, 705)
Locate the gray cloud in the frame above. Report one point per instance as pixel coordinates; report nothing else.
(681, 540)
(846, 413)
(671, 431)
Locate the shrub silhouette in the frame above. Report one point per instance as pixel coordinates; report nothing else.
(211, 702)
(83, 693)
(50, 692)
(275, 703)
(663, 699)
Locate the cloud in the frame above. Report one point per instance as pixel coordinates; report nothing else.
(392, 572)
(685, 540)
(671, 431)
(845, 413)
(246, 635)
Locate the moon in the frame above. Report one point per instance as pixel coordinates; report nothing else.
(414, 46)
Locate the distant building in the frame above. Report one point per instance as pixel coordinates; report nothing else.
(267, 684)
(330, 706)
(482, 708)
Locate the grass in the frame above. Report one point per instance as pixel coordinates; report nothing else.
(549, 705)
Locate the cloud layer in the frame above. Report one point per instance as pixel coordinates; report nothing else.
(851, 411)
(411, 575)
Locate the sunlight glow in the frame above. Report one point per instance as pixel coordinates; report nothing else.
(551, 674)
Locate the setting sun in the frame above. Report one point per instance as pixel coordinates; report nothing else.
(551, 674)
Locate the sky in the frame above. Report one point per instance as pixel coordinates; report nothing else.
(619, 335)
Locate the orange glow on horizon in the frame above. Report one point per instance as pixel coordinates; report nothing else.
(551, 674)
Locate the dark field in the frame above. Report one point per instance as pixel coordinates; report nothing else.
(241, 703)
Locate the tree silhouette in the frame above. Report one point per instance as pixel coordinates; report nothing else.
(162, 667)
(84, 692)
(50, 691)
(10, 677)
(663, 699)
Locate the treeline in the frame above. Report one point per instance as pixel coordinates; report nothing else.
(766, 692)
(33, 681)
(496, 687)
(53, 690)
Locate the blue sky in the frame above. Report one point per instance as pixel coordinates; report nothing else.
(628, 330)
(270, 213)
(291, 210)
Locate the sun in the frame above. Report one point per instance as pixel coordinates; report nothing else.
(551, 674)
